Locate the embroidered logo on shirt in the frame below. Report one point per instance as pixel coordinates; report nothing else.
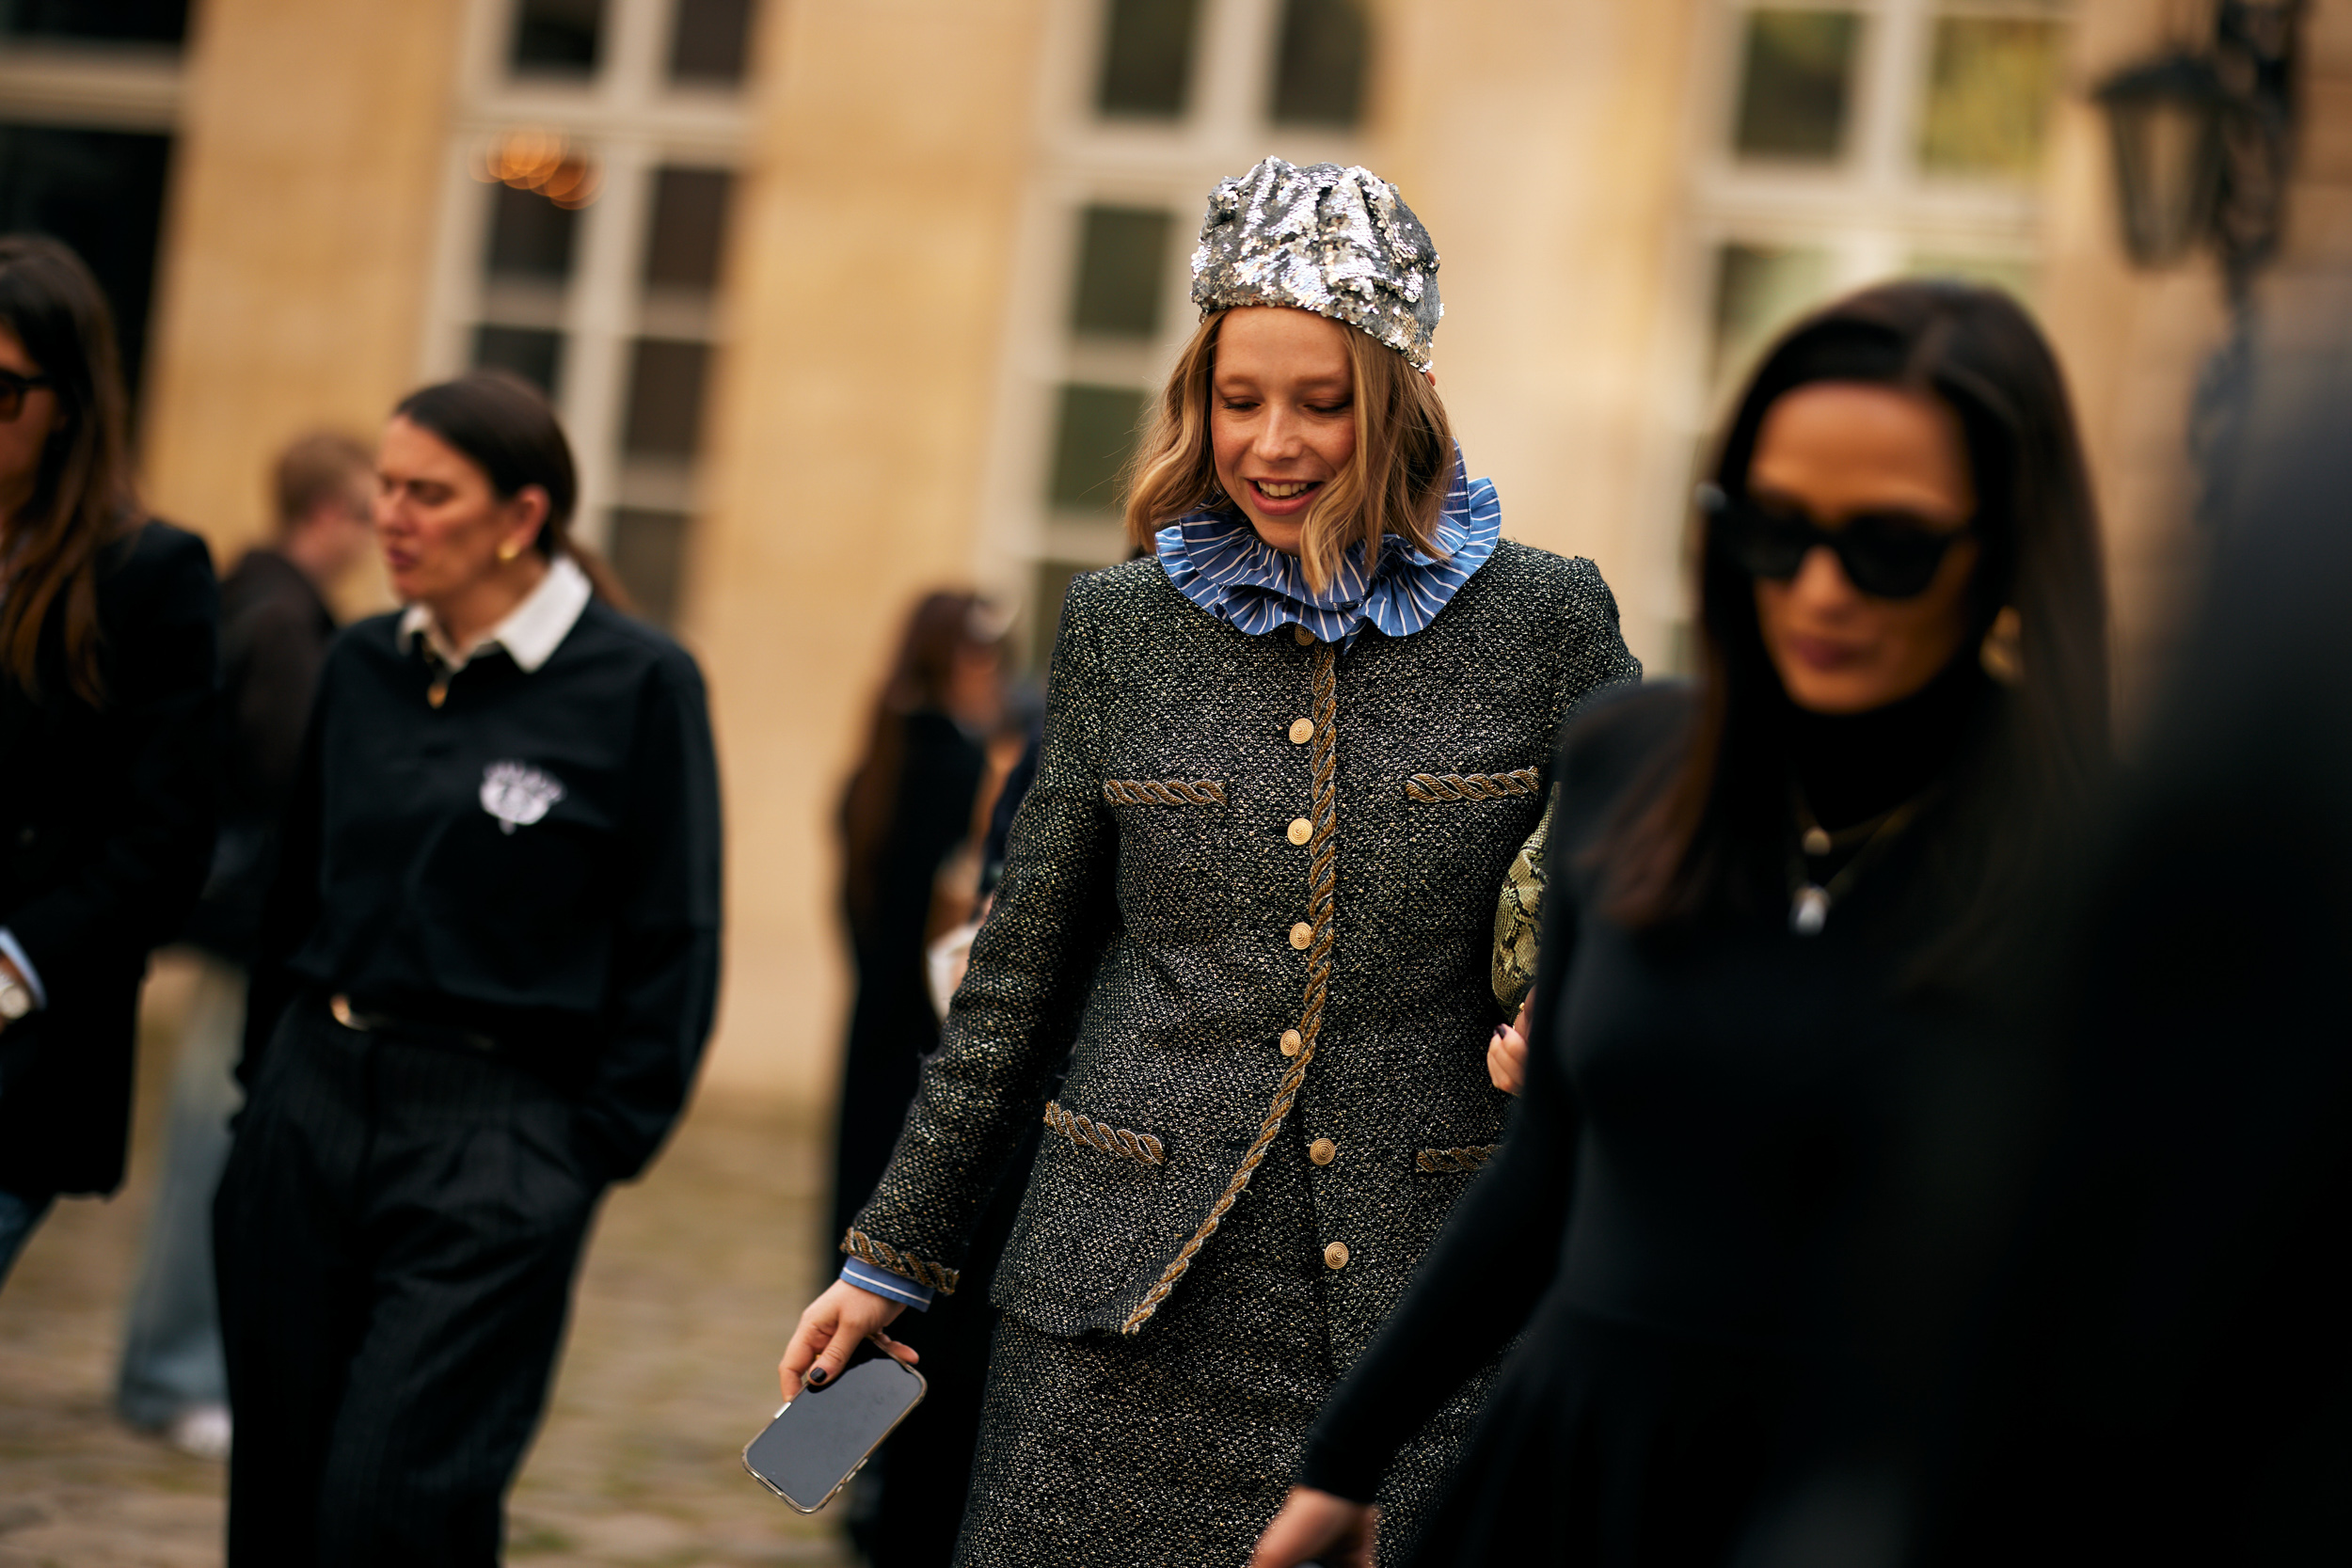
(518, 794)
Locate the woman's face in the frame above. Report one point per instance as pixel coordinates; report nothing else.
(439, 523)
(1835, 450)
(1282, 415)
(23, 438)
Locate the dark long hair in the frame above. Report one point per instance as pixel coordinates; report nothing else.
(942, 625)
(1681, 852)
(502, 424)
(83, 497)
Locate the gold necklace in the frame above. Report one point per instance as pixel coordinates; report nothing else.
(1809, 895)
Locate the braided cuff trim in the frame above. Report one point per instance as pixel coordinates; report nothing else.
(1435, 788)
(1442, 1162)
(1140, 1146)
(881, 1255)
(1322, 892)
(1163, 792)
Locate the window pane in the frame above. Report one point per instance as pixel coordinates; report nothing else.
(1319, 67)
(558, 37)
(648, 550)
(111, 21)
(665, 398)
(530, 235)
(1147, 57)
(100, 192)
(690, 217)
(1096, 433)
(1796, 84)
(707, 42)
(1760, 290)
(536, 355)
(1989, 95)
(1122, 254)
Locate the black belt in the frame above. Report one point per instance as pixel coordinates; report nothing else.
(410, 1029)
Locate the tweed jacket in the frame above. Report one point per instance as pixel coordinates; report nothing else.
(1251, 900)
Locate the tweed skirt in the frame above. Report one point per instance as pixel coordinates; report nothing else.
(1173, 1449)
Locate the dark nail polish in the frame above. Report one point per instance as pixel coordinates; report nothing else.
(817, 1375)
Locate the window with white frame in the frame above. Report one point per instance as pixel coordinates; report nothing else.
(1158, 100)
(590, 178)
(1857, 139)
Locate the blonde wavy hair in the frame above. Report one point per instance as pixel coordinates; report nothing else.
(1395, 484)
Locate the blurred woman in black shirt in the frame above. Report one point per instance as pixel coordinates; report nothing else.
(486, 978)
(109, 623)
(1728, 1224)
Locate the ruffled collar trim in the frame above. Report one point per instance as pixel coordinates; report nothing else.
(1217, 560)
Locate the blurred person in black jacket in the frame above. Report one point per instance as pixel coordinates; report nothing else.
(911, 804)
(108, 630)
(2167, 1376)
(276, 625)
(483, 982)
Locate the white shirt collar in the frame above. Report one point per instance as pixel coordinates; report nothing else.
(532, 632)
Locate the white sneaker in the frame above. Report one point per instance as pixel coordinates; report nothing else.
(200, 1429)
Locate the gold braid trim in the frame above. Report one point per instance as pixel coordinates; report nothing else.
(940, 1278)
(1438, 787)
(1162, 792)
(1322, 883)
(1442, 1161)
(1102, 1136)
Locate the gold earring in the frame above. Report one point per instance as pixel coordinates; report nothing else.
(509, 550)
(2002, 653)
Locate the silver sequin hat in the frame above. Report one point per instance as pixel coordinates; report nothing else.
(1339, 242)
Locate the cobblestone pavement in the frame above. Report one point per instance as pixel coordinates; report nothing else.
(693, 1280)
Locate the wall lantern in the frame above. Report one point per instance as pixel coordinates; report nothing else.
(2204, 141)
(2165, 120)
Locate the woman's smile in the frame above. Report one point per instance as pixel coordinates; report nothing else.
(1284, 497)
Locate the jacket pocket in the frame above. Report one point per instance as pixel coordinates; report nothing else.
(1449, 788)
(1177, 880)
(1081, 1232)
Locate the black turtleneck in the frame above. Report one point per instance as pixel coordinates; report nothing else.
(1853, 766)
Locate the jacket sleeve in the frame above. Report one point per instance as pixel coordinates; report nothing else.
(1601, 660)
(159, 612)
(1016, 1013)
(664, 982)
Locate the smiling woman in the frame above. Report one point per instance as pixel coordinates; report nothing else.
(1248, 903)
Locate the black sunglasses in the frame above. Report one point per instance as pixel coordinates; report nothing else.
(1887, 555)
(13, 389)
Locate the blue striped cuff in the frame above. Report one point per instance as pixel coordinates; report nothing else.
(858, 1271)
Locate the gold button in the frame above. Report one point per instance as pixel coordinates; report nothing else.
(1301, 830)
(1335, 1256)
(1302, 935)
(1302, 731)
(1290, 1043)
(1302, 635)
(1323, 1151)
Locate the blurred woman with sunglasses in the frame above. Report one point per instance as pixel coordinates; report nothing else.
(108, 622)
(1783, 901)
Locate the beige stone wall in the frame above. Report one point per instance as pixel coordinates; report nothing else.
(297, 236)
(850, 417)
(1543, 142)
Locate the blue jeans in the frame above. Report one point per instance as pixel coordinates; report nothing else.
(19, 1213)
(171, 1357)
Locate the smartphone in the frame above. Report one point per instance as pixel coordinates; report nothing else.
(820, 1440)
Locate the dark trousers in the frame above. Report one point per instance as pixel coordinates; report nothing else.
(397, 1233)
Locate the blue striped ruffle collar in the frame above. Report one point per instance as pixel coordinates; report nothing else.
(1217, 560)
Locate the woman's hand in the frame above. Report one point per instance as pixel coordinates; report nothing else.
(830, 1329)
(1317, 1527)
(1506, 1054)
